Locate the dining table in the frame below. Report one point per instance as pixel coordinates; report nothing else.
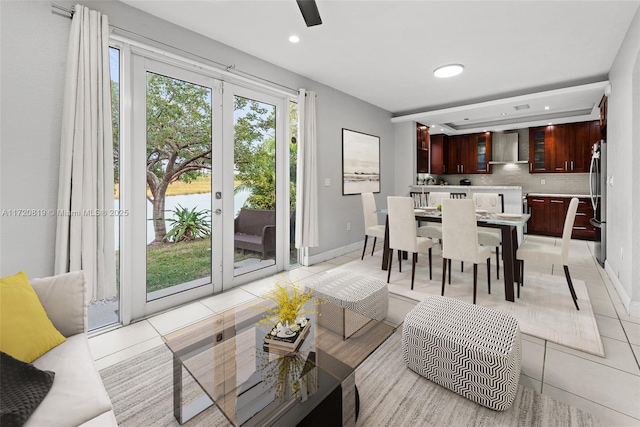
(507, 223)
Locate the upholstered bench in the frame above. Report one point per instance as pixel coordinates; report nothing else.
(471, 350)
(355, 300)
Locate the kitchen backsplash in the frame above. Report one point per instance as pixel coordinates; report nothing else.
(518, 174)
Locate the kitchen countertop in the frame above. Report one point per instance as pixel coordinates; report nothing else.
(558, 195)
(464, 187)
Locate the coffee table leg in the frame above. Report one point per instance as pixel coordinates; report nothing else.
(184, 414)
(177, 389)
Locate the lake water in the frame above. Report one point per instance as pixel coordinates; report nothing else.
(189, 201)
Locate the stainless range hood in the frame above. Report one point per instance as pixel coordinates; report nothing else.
(505, 149)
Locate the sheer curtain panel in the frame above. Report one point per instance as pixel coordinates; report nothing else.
(85, 221)
(307, 173)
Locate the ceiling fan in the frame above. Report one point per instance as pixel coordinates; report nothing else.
(309, 10)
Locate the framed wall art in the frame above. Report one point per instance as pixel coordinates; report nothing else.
(360, 163)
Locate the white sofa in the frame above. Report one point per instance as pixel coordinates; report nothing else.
(77, 397)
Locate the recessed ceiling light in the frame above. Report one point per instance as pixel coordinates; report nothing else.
(550, 123)
(433, 126)
(294, 39)
(466, 118)
(503, 114)
(485, 130)
(546, 107)
(441, 130)
(448, 70)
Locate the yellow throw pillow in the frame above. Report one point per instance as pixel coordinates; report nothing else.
(26, 332)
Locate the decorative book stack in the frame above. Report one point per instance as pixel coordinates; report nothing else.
(283, 342)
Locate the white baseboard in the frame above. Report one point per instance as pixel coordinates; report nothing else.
(632, 307)
(321, 257)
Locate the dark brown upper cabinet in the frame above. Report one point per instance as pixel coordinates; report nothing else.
(564, 148)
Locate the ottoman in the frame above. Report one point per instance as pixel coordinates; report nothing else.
(471, 350)
(354, 299)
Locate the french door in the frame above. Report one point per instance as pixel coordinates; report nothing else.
(197, 155)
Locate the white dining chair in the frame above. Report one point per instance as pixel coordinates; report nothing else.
(540, 252)
(492, 203)
(371, 226)
(403, 236)
(433, 230)
(460, 239)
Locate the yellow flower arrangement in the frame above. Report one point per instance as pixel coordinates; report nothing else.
(290, 305)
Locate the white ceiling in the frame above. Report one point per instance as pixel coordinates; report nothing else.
(384, 52)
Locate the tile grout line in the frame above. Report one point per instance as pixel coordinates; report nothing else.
(594, 402)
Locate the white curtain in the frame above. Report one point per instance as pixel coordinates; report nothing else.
(85, 225)
(307, 173)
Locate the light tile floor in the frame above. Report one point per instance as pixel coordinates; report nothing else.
(607, 387)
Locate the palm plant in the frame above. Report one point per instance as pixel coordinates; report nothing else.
(188, 224)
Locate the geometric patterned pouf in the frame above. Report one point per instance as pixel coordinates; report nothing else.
(355, 298)
(471, 350)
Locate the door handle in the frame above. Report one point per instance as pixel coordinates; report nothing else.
(218, 211)
(571, 164)
(557, 201)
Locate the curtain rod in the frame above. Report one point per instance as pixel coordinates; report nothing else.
(68, 13)
(62, 11)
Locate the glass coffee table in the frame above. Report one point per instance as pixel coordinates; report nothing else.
(253, 387)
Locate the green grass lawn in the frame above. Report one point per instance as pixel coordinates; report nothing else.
(170, 264)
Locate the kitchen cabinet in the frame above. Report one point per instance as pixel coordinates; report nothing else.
(459, 156)
(438, 154)
(483, 152)
(549, 212)
(422, 148)
(604, 106)
(562, 148)
(469, 154)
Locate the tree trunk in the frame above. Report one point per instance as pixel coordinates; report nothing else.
(159, 226)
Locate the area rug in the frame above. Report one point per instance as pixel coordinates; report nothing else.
(544, 310)
(141, 392)
(393, 395)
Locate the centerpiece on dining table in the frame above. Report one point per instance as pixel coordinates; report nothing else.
(287, 319)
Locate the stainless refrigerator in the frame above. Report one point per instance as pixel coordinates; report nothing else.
(598, 190)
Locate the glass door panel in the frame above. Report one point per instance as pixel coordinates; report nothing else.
(254, 209)
(178, 190)
(170, 241)
(105, 312)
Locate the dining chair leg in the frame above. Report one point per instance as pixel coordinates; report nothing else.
(389, 261)
(498, 262)
(489, 274)
(430, 271)
(449, 262)
(462, 266)
(521, 262)
(374, 245)
(573, 292)
(400, 261)
(475, 281)
(413, 268)
(444, 273)
(364, 248)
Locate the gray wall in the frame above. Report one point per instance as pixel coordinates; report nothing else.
(33, 57)
(33, 54)
(623, 147)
